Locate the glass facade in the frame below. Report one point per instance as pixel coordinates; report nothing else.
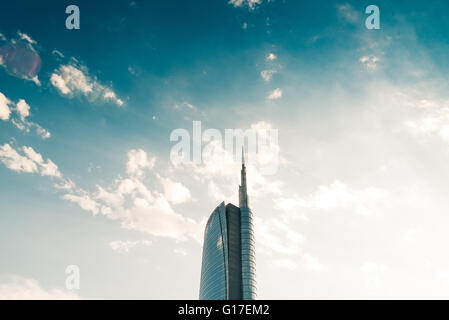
(235, 252)
(228, 269)
(214, 267)
(248, 255)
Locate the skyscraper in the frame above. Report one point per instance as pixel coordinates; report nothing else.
(228, 269)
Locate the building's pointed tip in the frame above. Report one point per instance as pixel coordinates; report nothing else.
(243, 156)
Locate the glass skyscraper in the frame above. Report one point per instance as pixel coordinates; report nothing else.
(228, 269)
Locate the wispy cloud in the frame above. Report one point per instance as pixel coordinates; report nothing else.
(5, 110)
(29, 161)
(271, 57)
(175, 192)
(185, 105)
(26, 37)
(285, 264)
(128, 200)
(348, 13)
(337, 195)
(277, 237)
(16, 162)
(13, 287)
(251, 4)
(370, 62)
(267, 74)
(125, 246)
(73, 79)
(138, 207)
(58, 54)
(138, 162)
(19, 113)
(275, 94)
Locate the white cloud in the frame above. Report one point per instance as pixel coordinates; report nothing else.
(58, 53)
(276, 236)
(267, 74)
(432, 118)
(132, 71)
(285, 264)
(14, 161)
(84, 201)
(138, 161)
(307, 261)
(180, 251)
(23, 109)
(312, 263)
(50, 169)
(347, 12)
(26, 37)
(69, 75)
(275, 94)
(33, 155)
(160, 220)
(185, 105)
(251, 4)
(336, 196)
(370, 62)
(45, 134)
(36, 80)
(5, 111)
(292, 207)
(47, 168)
(214, 191)
(66, 185)
(175, 192)
(114, 199)
(290, 204)
(19, 119)
(20, 288)
(58, 82)
(31, 162)
(126, 246)
(110, 95)
(271, 56)
(73, 79)
(130, 201)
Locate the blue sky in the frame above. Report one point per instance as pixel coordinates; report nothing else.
(355, 210)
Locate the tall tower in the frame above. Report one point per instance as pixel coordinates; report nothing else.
(247, 239)
(228, 268)
(243, 192)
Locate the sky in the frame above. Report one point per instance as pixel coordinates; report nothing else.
(356, 208)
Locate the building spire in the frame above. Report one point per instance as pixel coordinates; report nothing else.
(243, 195)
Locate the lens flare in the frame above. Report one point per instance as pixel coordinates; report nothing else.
(20, 60)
